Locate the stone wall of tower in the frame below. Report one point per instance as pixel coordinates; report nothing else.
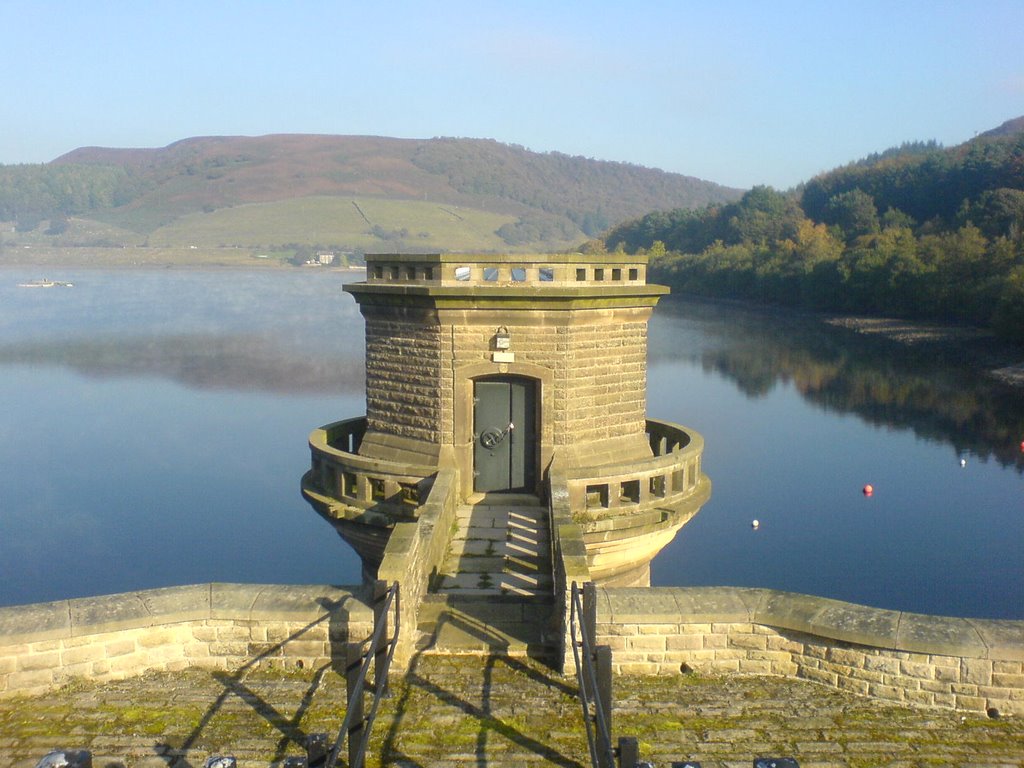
(578, 329)
(604, 393)
(405, 364)
(598, 361)
(598, 365)
(472, 333)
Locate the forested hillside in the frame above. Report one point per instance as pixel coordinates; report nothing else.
(455, 193)
(916, 231)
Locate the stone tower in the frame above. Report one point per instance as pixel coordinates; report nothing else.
(506, 369)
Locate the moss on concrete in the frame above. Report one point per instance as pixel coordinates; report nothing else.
(468, 708)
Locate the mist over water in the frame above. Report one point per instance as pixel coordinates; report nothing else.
(155, 425)
(155, 421)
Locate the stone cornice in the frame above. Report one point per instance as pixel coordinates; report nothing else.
(506, 297)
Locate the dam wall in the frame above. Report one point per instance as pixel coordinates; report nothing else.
(974, 665)
(206, 626)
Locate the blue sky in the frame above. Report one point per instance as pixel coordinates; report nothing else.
(738, 92)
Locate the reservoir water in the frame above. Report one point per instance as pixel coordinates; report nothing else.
(154, 422)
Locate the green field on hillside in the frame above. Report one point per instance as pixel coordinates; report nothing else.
(368, 224)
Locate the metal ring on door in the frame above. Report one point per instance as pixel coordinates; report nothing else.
(491, 437)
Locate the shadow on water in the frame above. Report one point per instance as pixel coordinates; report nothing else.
(934, 387)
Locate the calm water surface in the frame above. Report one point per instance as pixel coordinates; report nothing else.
(154, 432)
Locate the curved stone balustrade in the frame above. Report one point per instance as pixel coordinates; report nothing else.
(361, 497)
(629, 511)
(340, 477)
(635, 487)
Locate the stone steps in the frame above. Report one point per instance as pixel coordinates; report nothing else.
(493, 594)
(498, 549)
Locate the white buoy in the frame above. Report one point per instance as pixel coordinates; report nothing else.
(755, 524)
(963, 462)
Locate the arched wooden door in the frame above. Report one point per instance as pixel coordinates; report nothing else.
(504, 434)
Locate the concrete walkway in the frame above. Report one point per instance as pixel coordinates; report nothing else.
(486, 710)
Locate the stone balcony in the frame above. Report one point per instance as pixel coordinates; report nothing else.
(361, 497)
(629, 511)
(672, 474)
(341, 475)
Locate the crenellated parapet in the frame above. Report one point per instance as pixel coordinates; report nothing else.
(539, 271)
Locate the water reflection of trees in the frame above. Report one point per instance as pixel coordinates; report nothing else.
(231, 362)
(929, 387)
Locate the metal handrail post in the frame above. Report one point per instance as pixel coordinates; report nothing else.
(590, 613)
(355, 674)
(380, 650)
(575, 611)
(393, 597)
(603, 673)
(586, 658)
(355, 726)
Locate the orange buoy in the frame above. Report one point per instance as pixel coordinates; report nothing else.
(1022, 446)
(868, 490)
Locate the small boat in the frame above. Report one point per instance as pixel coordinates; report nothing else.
(44, 283)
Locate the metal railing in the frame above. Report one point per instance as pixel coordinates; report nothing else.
(357, 725)
(594, 677)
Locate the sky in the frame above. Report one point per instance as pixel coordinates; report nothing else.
(739, 92)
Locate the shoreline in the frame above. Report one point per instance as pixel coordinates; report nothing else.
(980, 348)
(52, 259)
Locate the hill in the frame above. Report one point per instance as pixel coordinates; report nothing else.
(351, 193)
(1009, 128)
(918, 231)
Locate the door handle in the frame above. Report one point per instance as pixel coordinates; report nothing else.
(492, 436)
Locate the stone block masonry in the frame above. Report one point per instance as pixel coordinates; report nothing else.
(403, 367)
(573, 327)
(972, 665)
(208, 626)
(599, 381)
(969, 665)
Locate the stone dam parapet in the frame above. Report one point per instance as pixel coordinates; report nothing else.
(204, 626)
(936, 661)
(965, 664)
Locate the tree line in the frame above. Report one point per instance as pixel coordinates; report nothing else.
(918, 231)
(31, 194)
